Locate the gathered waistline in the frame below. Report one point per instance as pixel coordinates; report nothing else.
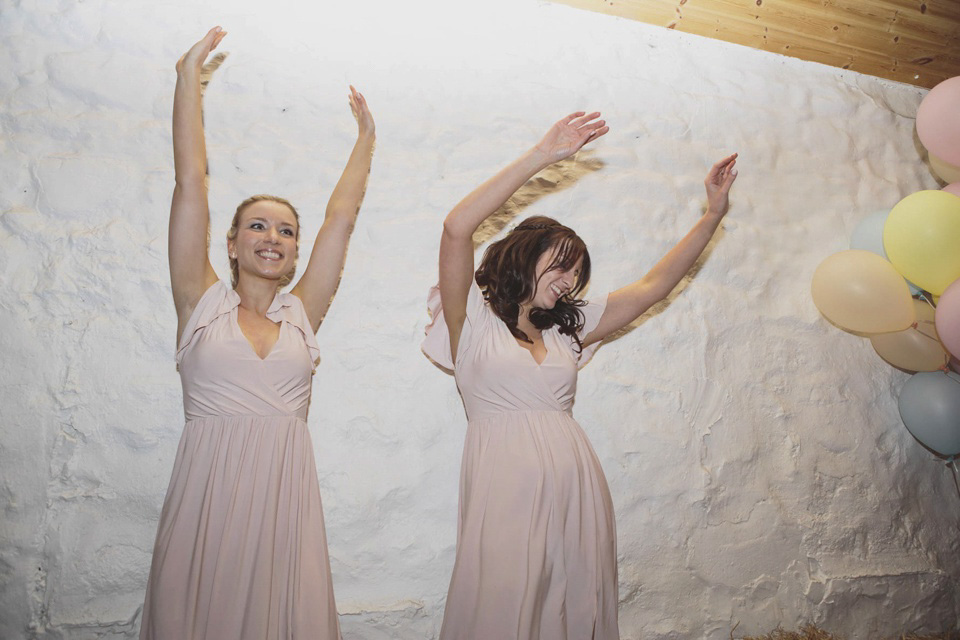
(246, 416)
(520, 412)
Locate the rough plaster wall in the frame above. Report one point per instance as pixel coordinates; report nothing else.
(757, 463)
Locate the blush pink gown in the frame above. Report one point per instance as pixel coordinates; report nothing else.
(241, 552)
(536, 538)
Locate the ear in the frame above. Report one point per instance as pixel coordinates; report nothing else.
(231, 250)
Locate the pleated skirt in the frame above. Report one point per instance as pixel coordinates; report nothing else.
(536, 541)
(241, 551)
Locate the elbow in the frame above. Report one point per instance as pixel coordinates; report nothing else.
(190, 180)
(454, 231)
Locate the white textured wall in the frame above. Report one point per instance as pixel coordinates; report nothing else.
(757, 463)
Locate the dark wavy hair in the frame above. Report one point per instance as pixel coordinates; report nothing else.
(507, 275)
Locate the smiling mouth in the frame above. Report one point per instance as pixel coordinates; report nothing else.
(269, 254)
(556, 290)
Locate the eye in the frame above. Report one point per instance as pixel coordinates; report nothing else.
(256, 225)
(288, 232)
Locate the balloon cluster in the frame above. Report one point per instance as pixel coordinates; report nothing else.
(899, 284)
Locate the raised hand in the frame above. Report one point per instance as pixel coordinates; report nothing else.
(358, 105)
(567, 136)
(193, 59)
(718, 184)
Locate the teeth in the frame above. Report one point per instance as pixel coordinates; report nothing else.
(556, 290)
(269, 254)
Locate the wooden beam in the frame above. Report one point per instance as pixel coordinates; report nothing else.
(911, 41)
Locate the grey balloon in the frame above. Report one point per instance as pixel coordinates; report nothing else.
(930, 409)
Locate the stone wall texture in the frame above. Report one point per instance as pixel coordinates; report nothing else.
(757, 462)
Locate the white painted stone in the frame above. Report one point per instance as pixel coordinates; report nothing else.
(757, 463)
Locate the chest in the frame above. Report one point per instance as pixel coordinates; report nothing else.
(536, 348)
(262, 333)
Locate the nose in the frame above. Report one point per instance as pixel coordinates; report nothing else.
(273, 235)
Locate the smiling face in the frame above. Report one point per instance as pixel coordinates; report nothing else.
(558, 273)
(265, 244)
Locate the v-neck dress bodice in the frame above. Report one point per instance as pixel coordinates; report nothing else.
(536, 538)
(241, 550)
(221, 373)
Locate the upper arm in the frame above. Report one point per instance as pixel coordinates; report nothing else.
(322, 276)
(456, 274)
(623, 307)
(191, 273)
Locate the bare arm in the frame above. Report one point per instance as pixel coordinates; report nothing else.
(322, 275)
(190, 270)
(629, 303)
(564, 138)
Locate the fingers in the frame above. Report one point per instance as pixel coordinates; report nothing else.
(722, 170)
(218, 38)
(358, 104)
(583, 119)
(570, 118)
(596, 133)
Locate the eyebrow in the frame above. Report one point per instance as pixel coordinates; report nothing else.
(259, 219)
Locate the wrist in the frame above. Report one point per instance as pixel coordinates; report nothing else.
(536, 159)
(713, 215)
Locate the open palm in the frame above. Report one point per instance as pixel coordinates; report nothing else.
(568, 135)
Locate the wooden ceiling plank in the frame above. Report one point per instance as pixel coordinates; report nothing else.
(914, 41)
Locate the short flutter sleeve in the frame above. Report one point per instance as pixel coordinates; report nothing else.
(592, 312)
(289, 308)
(436, 344)
(215, 301)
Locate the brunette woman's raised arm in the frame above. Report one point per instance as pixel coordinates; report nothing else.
(322, 275)
(564, 138)
(629, 303)
(190, 270)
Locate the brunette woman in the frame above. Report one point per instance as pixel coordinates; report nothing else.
(241, 551)
(536, 544)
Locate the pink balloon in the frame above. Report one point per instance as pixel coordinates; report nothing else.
(953, 188)
(938, 121)
(948, 318)
(955, 364)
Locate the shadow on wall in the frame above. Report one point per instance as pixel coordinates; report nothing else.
(557, 177)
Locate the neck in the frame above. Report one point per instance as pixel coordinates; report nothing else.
(256, 294)
(524, 324)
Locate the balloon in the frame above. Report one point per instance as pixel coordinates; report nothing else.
(868, 235)
(922, 239)
(953, 187)
(946, 172)
(948, 318)
(915, 349)
(859, 291)
(955, 364)
(938, 124)
(930, 409)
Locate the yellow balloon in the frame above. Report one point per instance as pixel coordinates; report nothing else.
(917, 348)
(859, 291)
(922, 239)
(946, 172)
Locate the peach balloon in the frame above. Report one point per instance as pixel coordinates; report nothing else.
(938, 121)
(859, 291)
(915, 349)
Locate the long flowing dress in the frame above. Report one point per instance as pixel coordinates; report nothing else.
(536, 538)
(241, 551)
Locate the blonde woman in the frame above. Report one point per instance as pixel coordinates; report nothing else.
(241, 551)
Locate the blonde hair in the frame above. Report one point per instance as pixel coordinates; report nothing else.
(235, 228)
